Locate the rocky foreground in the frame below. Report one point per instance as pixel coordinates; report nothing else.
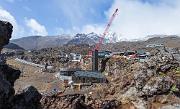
(154, 84)
(29, 98)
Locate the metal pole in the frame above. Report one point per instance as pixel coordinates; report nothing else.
(95, 60)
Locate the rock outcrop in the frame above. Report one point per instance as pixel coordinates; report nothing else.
(30, 97)
(5, 33)
(77, 101)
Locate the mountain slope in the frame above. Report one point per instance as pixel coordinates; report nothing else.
(89, 39)
(171, 41)
(38, 42)
(13, 46)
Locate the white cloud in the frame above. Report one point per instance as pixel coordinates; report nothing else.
(19, 30)
(92, 28)
(36, 27)
(7, 16)
(85, 29)
(137, 20)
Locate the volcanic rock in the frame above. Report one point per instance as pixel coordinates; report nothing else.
(157, 85)
(29, 98)
(5, 33)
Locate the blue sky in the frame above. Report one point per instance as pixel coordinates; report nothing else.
(151, 1)
(53, 17)
(57, 14)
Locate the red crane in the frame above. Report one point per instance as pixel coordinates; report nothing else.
(97, 47)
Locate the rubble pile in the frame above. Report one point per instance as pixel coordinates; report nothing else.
(149, 85)
(113, 65)
(146, 81)
(55, 55)
(163, 65)
(42, 56)
(77, 101)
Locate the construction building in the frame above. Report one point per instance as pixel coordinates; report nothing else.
(75, 57)
(80, 76)
(155, 45)
(88, 77)
(65, 75)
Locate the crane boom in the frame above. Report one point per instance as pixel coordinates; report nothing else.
(97, 47)
(106, 30)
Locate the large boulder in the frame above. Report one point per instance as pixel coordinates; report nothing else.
(9, 74)
(29, 98)
(173, 106)
(112, 104)
(73, 101)
(6, 89)
(157, 85)
(142, 76)
(5, 33)
(7, 78)
(6, 93)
